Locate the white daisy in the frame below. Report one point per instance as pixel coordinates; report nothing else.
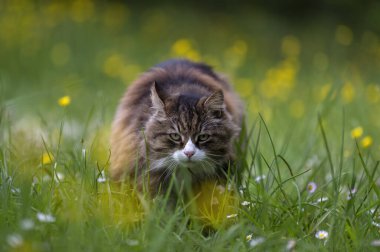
(132, 243)
(102, 178)
(291, 245)
(376, 224)
(375, 243)
(15, 240)
(231, 216)
(245, 203)
(214, 201)
(15, 190)
(242, 189)
(259, 178)
(351, 193)
(320, 200)
(311, 187)
(84, 153)
(249, 237)
(257, 241)
(321, 234)
(46, 178)
(59, 176)
(47, 218)
(221, 189)
(312, 162)
(27, 224)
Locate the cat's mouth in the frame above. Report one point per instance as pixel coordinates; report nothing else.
(189, 162)
(197, 167)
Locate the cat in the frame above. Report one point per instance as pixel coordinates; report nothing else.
(178, 119)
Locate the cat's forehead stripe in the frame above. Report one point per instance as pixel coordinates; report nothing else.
(188, 120)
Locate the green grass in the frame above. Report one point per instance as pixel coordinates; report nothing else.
(306, 86)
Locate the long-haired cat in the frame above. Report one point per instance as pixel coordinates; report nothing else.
(178, 119)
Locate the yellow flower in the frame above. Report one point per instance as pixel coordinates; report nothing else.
(366, 142)
(64, 101)
(47, 158)
(343, 35)
(373, 93)
(115, 15)
(240, 47)
(184, 48)
(290, 46)
(244, 87)
(113, 65)
(280, 80)
(322, 93)
(181, 47)
(357, 132)
(348, 92)
(297, 108)
(82, 10)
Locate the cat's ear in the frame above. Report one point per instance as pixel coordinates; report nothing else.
(215, 103)
(157, 103)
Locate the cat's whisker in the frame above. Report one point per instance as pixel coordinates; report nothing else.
(208, 164)
(171, 169)
(160, 152)
(211, 164)
(204, 168)
(212, 161)
(165, 172)
(209, 170)
(211, 174)
(168, 170)
(159, 164)
(158, 155)
(214, 155)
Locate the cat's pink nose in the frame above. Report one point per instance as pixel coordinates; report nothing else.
(189, 153)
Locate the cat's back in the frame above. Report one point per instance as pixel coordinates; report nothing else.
(183, 67)
(179, 76)
(176, 75)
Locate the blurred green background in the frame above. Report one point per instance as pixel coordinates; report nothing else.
(289, 60)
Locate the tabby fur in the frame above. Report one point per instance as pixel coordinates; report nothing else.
(174, 108)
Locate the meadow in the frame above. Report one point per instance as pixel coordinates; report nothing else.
(310, 179)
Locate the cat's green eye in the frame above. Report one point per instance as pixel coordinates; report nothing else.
(203, 137)
(175, 137)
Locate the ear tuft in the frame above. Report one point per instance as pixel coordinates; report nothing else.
(215, 101)
(157, 103)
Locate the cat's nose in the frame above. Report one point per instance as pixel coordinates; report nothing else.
(189, 153)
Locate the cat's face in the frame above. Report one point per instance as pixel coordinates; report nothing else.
(189, 132)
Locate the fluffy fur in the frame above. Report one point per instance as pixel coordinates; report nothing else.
(178, 119)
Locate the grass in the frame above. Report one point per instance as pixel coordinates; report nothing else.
(312, 103)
